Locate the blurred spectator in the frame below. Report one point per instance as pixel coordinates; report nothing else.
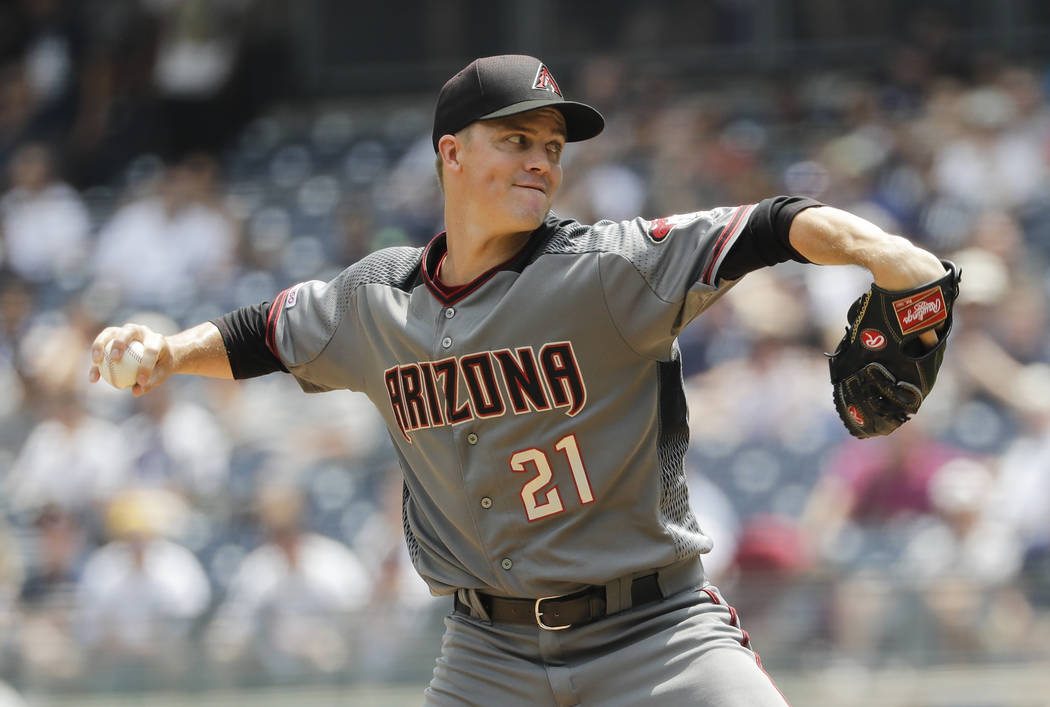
(771, 546)
(380, 545)
(176, 443)
(873, 495)
(735, 392)
(47, 49)
(967, 540)
(344, 426)
(9, 697)
(51, 350)
(11, 574)
(290, 607)
(45, 226)
(769, 574)
(46, 642)
(400, 601)
(167, 250)
(963, 561)
(874, 482)
(72, 459)
(604, 190)
(993, 161)
(196, 56)
(16, 310)
(58, 558)
(1022, 486)
(718, 519)
(115, 120)
(1000, 350)
(17, 306)
(140, 594)
(13, 423)
(209, 56)
(15, 107)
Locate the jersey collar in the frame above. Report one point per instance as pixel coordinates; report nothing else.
(437, 249)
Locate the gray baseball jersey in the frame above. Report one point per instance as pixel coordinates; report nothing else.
(538, 412)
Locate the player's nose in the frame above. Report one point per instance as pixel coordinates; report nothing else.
(539, 160)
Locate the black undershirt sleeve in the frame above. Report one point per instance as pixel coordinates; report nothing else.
(244, 335)
(764, 241)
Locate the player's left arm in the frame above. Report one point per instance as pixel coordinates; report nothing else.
(887, 361)
(828, 236)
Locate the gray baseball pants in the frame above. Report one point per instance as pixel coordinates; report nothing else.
(687, 649)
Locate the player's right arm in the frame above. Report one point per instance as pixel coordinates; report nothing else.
(231, 346)
(293, 333)
(196, 351)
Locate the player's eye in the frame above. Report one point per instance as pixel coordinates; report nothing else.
(516, 138)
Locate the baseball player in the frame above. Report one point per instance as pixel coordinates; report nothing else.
(527, 368)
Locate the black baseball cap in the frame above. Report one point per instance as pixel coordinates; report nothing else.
(498, 86)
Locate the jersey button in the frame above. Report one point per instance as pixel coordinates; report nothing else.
(472, 438)
(506, 563)
(486, 502)
(449, 313)
(446, 342)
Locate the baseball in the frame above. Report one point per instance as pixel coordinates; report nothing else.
(122, 373)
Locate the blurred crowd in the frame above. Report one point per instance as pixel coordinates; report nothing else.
(244, 532)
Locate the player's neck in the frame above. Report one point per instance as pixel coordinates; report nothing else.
(473, 252)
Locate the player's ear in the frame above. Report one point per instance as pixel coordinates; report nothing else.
(449, 148)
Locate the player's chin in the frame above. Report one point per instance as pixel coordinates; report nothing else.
(531, 213)
(529, 222)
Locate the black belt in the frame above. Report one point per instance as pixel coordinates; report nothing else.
(556, 613)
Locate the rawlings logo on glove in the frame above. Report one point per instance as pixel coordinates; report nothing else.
(920, 311)
(880, 371)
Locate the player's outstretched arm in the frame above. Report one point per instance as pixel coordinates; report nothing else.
(829, 236)
(887, 361)
(196, 351)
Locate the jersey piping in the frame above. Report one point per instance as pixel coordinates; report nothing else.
(726, 240)
(271, 320)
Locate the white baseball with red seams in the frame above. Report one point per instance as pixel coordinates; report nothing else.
(121, 373)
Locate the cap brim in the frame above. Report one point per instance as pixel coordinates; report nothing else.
(581, 121)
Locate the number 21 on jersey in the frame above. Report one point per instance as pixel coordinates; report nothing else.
(539, 462)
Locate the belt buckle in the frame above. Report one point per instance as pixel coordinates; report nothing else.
(539, 615)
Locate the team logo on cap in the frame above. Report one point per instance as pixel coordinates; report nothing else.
(544, 80)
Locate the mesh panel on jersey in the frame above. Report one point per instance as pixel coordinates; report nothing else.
(410, 537)
(395, 267)
(604, 236)
(676, 515)
(625, 238)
